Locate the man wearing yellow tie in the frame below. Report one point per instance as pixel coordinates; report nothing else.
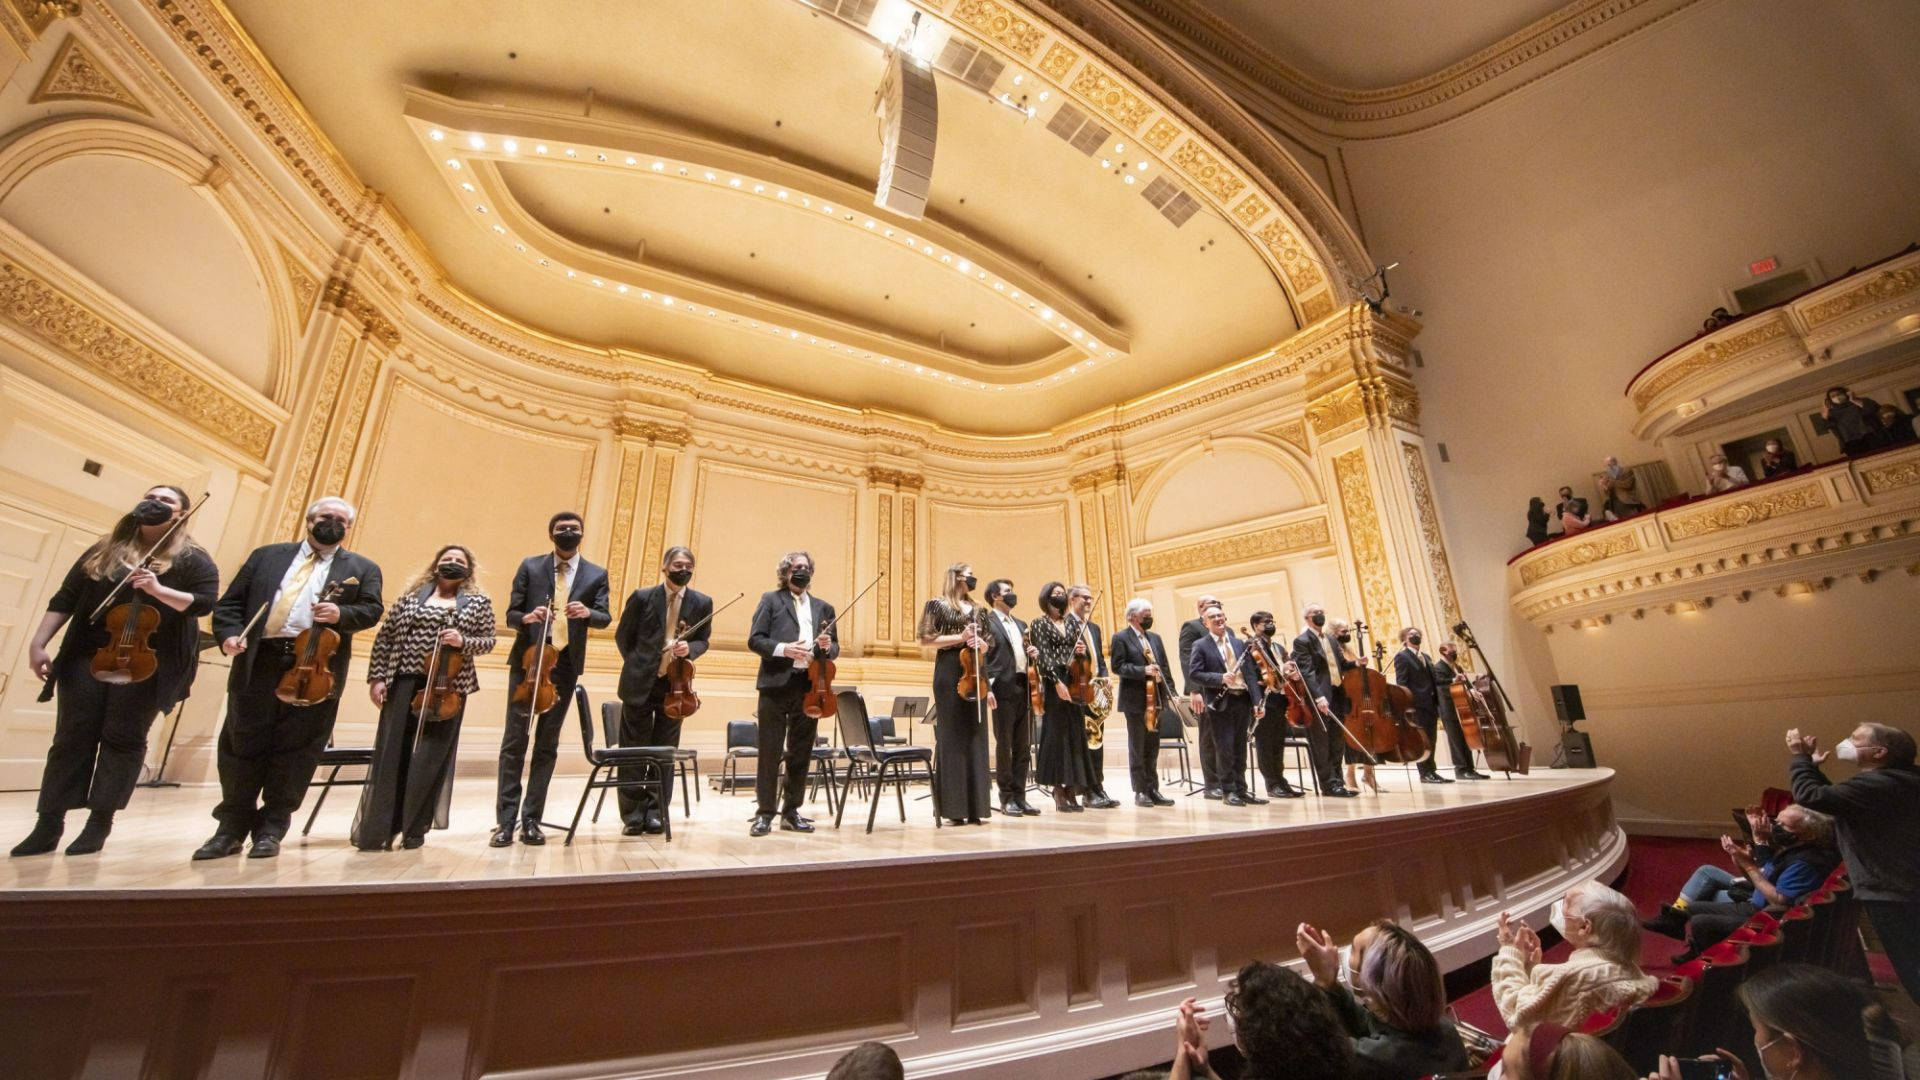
(267, 747)
(563, 583)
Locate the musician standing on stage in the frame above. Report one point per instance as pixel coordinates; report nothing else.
(1415, 674)
(649, 640)
(1191, 631)
(1270, 730)
(1138, 656)
(1066, 764)
(1446, 669)
(1080, 605)
(562, 579)
(1342, 635)
(410, 779)
(1321, 664)
(789, 628)
(947, 625)
(1223, 671)
(99, 728)
(1007, 656)
(268, 747)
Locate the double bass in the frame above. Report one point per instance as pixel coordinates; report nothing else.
(1378, 723)
(1485, 700)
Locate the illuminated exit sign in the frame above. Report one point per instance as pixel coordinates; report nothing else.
(1765, 266)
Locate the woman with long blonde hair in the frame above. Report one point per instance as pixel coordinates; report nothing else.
(100, 727)
(949, 624)
(410, 782)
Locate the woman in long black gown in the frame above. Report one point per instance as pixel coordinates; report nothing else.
(410, 782)
(948, 624)
(1066, 762)
(1356, 757)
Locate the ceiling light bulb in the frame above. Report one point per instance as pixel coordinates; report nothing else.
(758, 188)
(571, 152)
(520, 247)
(825, 209)
(597, 283)
(600, 157)
(632, 161)
(501, 229)
(735, 182)
(570, 273)
(476, 142)
(781, 195)
(1106, 163)
(1078, 334)
(963, 266)
(544, 262)
(667, 300)
(659, 166)
(1047, 314)
(540, 148)
(889, 234)
(709, 176)
(436, 134)
(466, 185)
(482, 209)
(453, 163)
(1128, 178)
(621, 289)
(1119, 148)
(870, 223)
(1045, 94)
(510, 146)
(1018, 79)
(1142, 166)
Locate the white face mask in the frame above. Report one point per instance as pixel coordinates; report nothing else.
(1847, 751)
(1557, 916)
(1346, 965)
(1761, 1052)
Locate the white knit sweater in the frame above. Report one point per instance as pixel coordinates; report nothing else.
(1588, 982)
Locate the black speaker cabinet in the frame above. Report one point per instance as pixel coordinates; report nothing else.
(1577, 747)
(1566, 703)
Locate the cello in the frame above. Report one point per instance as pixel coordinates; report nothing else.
(1504, 748)
(820, 701)
(1377, 722)
(127, 656)
(681, 701)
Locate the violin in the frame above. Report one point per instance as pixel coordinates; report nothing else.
(681, 702)
(971, 662)
(310, 680)
(1269, 678)
(437, 699)
(535, 692)
(1080, 666)
(820, 701)
(1036, 698)
(128, 656)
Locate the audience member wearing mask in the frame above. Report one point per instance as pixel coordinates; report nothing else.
(1855, 420)
(868, 1061)
(1622, 489)
(1896, 427)
(1280, 1023)
(1776, 459)
(1603, 972)
(1875, 813)
(1788, 859)
(1554, 1052)
(1811, 1024)
(1724, 476)
(1395, 1008)
(1572, 513)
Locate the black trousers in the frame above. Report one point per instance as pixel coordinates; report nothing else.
(510, 808)
(1228, 716)
(1897, 923)
(1456, 738)
(1710, 921)
(1269, 735)
(1012, 737)
(1143, 753)
(1323, 742)
(99, 740)
(960, 760)
(786, 740)
(1209, 773)
(1428, 721)
(645, 723)
(268, 749)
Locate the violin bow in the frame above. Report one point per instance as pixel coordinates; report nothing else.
(861, 595)
(148, 557)
(678, 638)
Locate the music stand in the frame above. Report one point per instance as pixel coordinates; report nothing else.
(912, 710)
(1184, 710)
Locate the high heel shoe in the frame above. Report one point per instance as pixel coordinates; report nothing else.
(1373, 785)
(1065, 803)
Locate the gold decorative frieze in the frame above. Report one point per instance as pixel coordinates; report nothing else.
(1112, 97)
(1293, 433)
(1303, 273)
(1208, 171)
(77, 75)
(1002, 25)
(657, 498)
(1740, 513)
(898, 478)
(1116, 559)
(26, 20)
(1106, 474)
(1137, 476)
(1436, 544)
(1709, 356)
(1377, 400)
(1161, 134)
(883, 565)
(1567, 555)
(313, 433)
(652, 432)
(347, 431)
(305, 288)
(42, 310)
(1317, 306)
(1274, 540)
(1090, 538)
(340, 295)
(1364, 536)
(619, 556)
(1250, 209)
(1058, 61)
(1877, 289)
(1891, 477)
(909, 589)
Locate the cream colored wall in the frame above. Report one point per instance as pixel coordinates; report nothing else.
(1565, 235)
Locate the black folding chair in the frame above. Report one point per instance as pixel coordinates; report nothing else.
(335, 758)
(882, 764)
(655, 763)
(1175, 718)
(743, 741)
(610, 730)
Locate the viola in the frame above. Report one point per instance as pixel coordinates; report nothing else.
(128, 657)
(535, 692)
(438, 698)
(310, 680)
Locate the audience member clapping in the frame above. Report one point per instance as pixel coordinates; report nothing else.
(1896, 427)
(1855, 420)
(1788, 859)
(1603, 972)
(1776, 459)
(1552, 1052)
(1622, 490)
(1395, 1010)
(1281, 1024)
(1811, 1024)
(868, 1061)
(1724, 476)
(1537, 521)
(1572, 513)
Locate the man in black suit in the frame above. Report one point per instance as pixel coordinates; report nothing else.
(648, 641)
(1270, 729)
(1220, 669)
(268, 748)
(790, 627)
(1432, 706)
(1191, 631)
(1080, 606)
(1138, 656)
(582, 589)
(1321, 666)
(1007, 654)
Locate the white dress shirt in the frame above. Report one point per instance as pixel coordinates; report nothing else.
(803, 611)
(1014, 637)
(300, 616)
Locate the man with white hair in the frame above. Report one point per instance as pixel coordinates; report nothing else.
(268, 747)
(1140, 660)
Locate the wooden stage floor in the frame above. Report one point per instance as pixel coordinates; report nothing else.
(154, 836)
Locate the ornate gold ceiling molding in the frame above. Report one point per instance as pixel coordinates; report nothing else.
(1289, 538)
(26, 20)
(75, 74)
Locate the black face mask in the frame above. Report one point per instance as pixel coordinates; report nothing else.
(1146, 622)
(970, 582)
(1414, 641)
(1058, 602)
(452, 571)
(1783, 836)
(1009, 599)
(327, 531)
(1343, 638)
(566, 541)
(1266, 629)
(679, 577)
(1318, 619)
(152, 512)
(801, 577)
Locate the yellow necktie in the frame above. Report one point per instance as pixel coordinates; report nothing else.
(673, 623)
(283, 604)
(558, 607)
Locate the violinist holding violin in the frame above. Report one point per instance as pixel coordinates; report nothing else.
(419, 676)
(951, 624)
(1007, 659)
(581, 589)
(1270, 723)
(790, 627)
(1065, 762)
(650, 640)
(268, 745)
(101, 721)
(1140, 661)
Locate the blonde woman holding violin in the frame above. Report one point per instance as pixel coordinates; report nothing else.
(950, 624)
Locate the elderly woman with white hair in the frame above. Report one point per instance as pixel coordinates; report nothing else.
(1603, 972)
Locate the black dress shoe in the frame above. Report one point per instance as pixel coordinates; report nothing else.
(1471, 774)
(502, 837)
(791, 821)
(1342, 791)
(264, 847)
(975, 821)
(530, 834)
(1160, 800)
(632, 828)
(1434, 778)
(1213, 793)
(1251, 799)
(1027, 809)
(762, 825)
(1141, 798)
(1102, 802)
(219, 847)
(1288, 792)
(956, 822)
(1235, 799)
(407, 843)
(654, 826)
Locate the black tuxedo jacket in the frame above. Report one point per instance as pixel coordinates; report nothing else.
(642, 630)
(1003, 664)
(1209, 669)
(1415, 674)
(1313, 667)
(1190, 631)
(1444, 675)
(1130, 664)
(776, 622)
(258, 581)
(532, 588)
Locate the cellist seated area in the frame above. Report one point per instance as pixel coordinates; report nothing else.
(871, 539)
